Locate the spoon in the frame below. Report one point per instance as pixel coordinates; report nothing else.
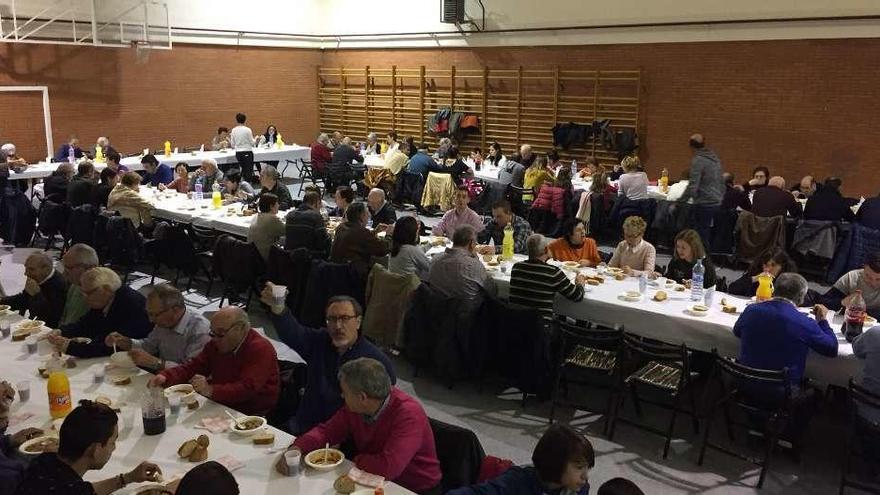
(234, 419)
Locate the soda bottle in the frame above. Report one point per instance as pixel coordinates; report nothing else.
(58, 387)
(854, 317)
(216, 198)
(697, 281)
(507, 243)
(167, 148)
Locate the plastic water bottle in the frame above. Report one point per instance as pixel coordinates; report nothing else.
(697, 281)
(643, 283)
(197, 195)
(574, 168)
(71, 155)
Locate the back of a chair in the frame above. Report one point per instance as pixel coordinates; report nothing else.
(237, 262)
(862, 400)
(123, 241)
(523, 346)
(751, 385)
(81, 225)
(588, 334)
(204, 238)
(290, 268)
(410, 188)
(459, 452)
(758, 234)
(388, 296)
(176, 249)
(53, 217)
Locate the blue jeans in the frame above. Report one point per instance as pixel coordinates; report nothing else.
(701, 221)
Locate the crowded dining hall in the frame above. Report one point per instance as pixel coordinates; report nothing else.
(518, 249)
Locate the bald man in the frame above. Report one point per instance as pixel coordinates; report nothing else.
(381, 212)
(238, 367)
(44, 291)
(705, 187)
(775, 200)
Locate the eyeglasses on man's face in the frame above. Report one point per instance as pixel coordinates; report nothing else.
(333, 320)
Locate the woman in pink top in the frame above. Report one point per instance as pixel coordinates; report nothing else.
(634, 254)
(181, 179)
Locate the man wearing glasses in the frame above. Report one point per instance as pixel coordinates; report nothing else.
(325, 350)
(79, 259)
(237, 368)
(178, 336)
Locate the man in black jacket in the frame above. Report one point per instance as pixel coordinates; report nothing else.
(81, 189)
(340, 168)
(55, 186)
(381, 212)
(113, 307)
(44, 291)
(828, 204)
(305, 227)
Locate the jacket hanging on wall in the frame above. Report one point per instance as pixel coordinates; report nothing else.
(570, 134)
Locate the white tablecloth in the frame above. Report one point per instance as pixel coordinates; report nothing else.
(669, 321)
(132, 447)
(290, 152)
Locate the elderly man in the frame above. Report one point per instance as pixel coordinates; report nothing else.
(44, 291)
(459, 215)
(237, 368)
(372, 146)
(502, 216)
(81, 189)
(382, 214)
(113, 307)
(12, 466)
(179, 333)
(78, 259)
(526, 156)
(705, 187)
(63, 153)
(805, 188)
(125, 199)
(336, 139)
(208, 174)
(340, 170)
(156, 173)
(774, 200)
(87, 439)
(321, 154)
(459, 273)
(390, 430)
(865, 279)
(324, 350)
(305, 227)
(775, 335)
(354, 242)
(270, 180)
(534, 282)
(104, 143)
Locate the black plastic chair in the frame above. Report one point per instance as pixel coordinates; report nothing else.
(663, 369)
(124, 245)
(589, 354)
(177, 251)
(859, 398)
(52, 222)
(81, 226)
(292, 269)
(734, 380)
(459, 452)
(516, 196)
(307, 172)
(239, 266)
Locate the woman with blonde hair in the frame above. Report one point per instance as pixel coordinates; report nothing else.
(633, 184)
(634, 254)
(536, 175)
(688, 249)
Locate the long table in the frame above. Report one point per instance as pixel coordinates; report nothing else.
(132, 447)
(290, 153)
(670, 321)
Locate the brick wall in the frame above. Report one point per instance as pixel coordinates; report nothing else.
(796, 106)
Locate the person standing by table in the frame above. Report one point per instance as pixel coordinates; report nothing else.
(688, 249)
(266, 228)
(634, 254)
(44, 291)
(237, 368)
(179, 333)
(324, 350)
(113, 307)
(86, 442)
(390, 429)
(460, 214)
(774, 335)
(241, 139)
(156, 173)
(705, 187)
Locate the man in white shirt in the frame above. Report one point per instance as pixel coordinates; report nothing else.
(178, 335)
(241, 139)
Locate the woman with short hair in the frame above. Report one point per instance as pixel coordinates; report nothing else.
(634, 254)
(633, 184)
(574, 245)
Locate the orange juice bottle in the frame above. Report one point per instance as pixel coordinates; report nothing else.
(58, 387)
(765, 287)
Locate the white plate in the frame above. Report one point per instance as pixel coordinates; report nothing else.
(691, 311)
(251, 432)
(324, 467)
(624, 296)
(23, 447)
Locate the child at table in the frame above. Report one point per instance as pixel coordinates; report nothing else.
(181, 179)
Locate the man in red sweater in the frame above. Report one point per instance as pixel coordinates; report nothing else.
(390, 429)
(237, 368)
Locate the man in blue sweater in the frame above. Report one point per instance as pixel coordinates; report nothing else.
(775, 335)
(421, 163)
(325, 350)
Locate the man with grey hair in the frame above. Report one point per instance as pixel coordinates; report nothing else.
(775, 335)
(113, 307)
(390, 429)
(178, 335)
(321, 154)
(238, 367)
(534, 282)
(371, 146)
(381, 212)
(104, 143)
(526, 157)
(9, 155)
(208, 174)
(270, 181)
(459, 273)
(78, 259)
(44, 291)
